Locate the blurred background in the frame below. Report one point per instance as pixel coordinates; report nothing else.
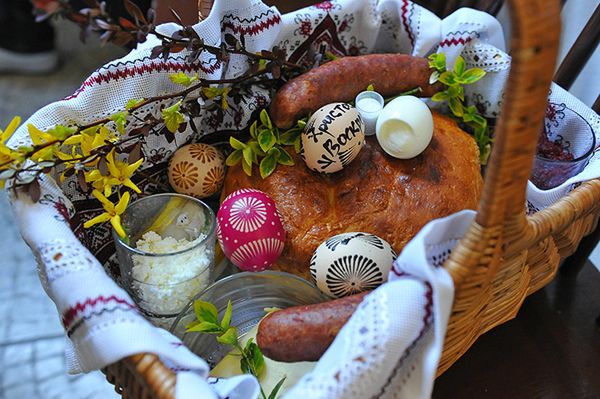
(31, 337)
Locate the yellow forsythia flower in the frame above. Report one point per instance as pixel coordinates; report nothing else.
(119, 174)
(111, 212)
(8, 155)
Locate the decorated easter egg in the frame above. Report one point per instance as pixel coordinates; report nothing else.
(332, 138)
(350, 263)
(249, 230)
(197, 170)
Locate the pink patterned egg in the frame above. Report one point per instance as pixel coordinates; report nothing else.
(249, 230)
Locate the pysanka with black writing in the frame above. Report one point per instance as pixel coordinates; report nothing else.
(332, 138)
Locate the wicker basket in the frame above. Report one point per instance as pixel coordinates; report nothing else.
(505, 255)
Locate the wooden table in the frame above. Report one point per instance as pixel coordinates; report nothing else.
(551, 350)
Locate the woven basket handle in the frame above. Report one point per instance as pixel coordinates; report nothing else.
(204, 7)
(535, 37)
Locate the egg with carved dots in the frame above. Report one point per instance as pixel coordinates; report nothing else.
(197, 170)
(332, 138)
(351, 263)
(250, 230)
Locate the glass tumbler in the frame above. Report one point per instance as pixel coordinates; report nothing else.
(168, 254)
(571, 131)
(250, 294)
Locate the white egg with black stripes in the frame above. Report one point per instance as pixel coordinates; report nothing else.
(351, 263)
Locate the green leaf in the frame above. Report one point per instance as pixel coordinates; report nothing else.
(61, 132)
(448, 78)
(254, 129)
(205, 327)
(285, 158)
(224, 102)
(301, 123)
(330, 56)
(236, 144)
(485, 154)
(183, 79)
(120, 119)
(480, 120)
(206, 311)
(298, 145)
(248, 155)
(455, 106)
(265, 119)
(370, 88)
(257, 151)
(266, 140)
(229, 337)
(172, 117)
(262, 64)
(440, 96)
(212, 92)
(245, 367)
(227, 316)
(289, 136)
(456, 91)
(247, 167)
(437, 61)
(132, 103)
(471, 76)
(258, 360)
(459, 66)
(267, 166)
(234, 158)
(276, 389)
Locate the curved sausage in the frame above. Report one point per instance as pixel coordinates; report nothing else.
(303, 333)
(344, 78)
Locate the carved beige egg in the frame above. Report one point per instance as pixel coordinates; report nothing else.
(197, 170)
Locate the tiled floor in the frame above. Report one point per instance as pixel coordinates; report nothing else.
(32, 364)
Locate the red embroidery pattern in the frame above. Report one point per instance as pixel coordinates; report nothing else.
(454, 42)
(456, 38)
(325, 5)
(407, 10)
(108, 76)
(70, 314)
(252, 29)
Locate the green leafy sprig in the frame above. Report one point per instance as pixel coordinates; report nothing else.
(266, 147)
(454, 95)
(252, 360)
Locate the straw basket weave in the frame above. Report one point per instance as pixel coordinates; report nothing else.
(505, 255)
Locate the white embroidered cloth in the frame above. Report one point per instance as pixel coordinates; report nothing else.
(391, 346)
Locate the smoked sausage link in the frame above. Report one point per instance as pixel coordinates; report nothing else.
(303, 333)
(342, 79)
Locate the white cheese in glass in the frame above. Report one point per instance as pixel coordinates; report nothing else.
(167, 283)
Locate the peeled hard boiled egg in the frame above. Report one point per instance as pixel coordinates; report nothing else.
(350, 263)
(197, 170)
(332, 138)
(250, 230)
(404, 127)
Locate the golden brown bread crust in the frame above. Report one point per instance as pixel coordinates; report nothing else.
(376, 193)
